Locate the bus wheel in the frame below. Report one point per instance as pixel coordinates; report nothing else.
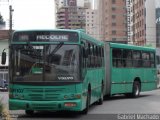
(100, 101)
(136, 89)
(85, 111)
(29, 112)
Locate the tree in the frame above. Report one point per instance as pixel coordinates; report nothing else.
(1, 19)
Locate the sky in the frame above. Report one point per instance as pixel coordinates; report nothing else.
(33, 14)
(157, 3)
(30, 14)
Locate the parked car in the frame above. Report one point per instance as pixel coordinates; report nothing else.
(3, 85)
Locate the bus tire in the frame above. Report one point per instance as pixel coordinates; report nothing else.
(85, 111)
(29, 112)
(136, 89)
(100, 101)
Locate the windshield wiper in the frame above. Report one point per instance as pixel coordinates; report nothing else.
(52, 53)
(57, 48)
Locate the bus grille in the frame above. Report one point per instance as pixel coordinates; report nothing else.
(44, 93)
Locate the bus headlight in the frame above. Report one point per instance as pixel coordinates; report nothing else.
(16, 96)
(72, 96)
(66, 97)
(78, 96)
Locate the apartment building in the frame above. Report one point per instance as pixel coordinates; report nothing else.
(92, 25)
(2, 22)
(92, 20)
(70, 16)
(158, 27)
(113, 20)
(142, 22)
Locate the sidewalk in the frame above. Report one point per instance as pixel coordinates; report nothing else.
(4, 97)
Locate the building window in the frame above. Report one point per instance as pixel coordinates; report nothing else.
(113, 32)
(113, 16)
(113, 8)
(113, 39)
(113, 24)
(140, 33)
(142, 12)
(113, 1)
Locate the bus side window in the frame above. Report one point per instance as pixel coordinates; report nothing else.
(137, 61)
(117, 57)
(93, 56)
(100, 60)
(102, 57)
(146, 59)
(124, 58)
(152, 59)
(114, 58)
(83, 57)
(89, 56)
(98, 56)
(127, 58)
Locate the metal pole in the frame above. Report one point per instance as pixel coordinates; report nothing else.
(10, 23)
(10, 38)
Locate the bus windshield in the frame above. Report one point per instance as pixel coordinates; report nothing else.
(45, 63)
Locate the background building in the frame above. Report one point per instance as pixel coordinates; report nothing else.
(141, 22)
(2, 23)
(129, 5)
(70, 16)
(158, 26)
(113, 20)
(91, 23)
(87, 4)
(150, 16)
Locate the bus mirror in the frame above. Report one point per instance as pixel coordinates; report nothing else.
(3, 59)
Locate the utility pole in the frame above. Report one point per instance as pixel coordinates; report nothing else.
(10, 37)
(10, 23)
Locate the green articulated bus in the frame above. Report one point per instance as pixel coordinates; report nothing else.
(51, 70)
(57, 70)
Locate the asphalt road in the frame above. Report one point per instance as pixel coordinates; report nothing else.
(114, 108)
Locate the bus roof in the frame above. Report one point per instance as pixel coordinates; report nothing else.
(132, 47)
(90, 39)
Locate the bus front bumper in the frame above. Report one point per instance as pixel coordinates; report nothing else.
(71, 105)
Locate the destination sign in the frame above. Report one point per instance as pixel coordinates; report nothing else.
(45, 36)
(52, 37)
